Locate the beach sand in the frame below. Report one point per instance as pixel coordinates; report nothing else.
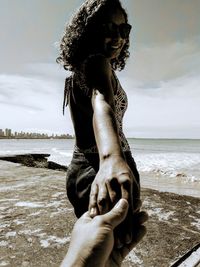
(36, 220)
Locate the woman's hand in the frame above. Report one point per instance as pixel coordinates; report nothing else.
(113, 181)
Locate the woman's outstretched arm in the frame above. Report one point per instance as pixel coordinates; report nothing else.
(105, 127)
(99, 73)
(114, 178)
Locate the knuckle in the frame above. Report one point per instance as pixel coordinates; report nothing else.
(108, 181)
(92, 203)
(94, 185)
(99, 221)
(93, 195)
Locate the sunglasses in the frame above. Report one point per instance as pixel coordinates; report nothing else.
(110, 30)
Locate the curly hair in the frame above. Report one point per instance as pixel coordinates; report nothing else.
(81, 37)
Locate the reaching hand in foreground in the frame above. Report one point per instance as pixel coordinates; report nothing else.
(92, 240)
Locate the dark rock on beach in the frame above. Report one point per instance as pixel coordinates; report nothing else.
(35, 160)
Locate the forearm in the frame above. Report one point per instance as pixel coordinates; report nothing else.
(105, 128)
(73, 260)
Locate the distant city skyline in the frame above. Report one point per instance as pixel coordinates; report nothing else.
(8, 133)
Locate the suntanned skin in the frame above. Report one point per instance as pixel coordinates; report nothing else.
(94, 122)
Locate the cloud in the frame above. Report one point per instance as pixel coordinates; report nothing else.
(170, 110)
(157, 108)
(23, 106)
(155, 63)
(32, 102)
(50, 71)
(162, 82)
(27, 91)
(31, 33)
(160, 21)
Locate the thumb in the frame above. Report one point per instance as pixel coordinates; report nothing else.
(117, 214)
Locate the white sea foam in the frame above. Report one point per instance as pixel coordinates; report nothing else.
(8, 199)
(4, 263)
(134, 259)
(5, 225)
(52, 240)
(162, 158)
(170, 164)
(54, 204)
(11, 234)
(162, 216)
(35, 213)
(57, 194)
(63, 210)
(29, 204)
(36, 232)
(155, 210)
(44, 243)
(61, 157)
(18, 222)
(3, 243)
(196, 222)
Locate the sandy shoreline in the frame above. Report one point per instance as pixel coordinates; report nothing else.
(36, 220)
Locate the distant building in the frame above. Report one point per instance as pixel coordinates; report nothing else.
(1, 132)
(8, 132)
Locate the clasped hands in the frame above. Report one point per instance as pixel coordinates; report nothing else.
(104, 235)
(114, 181)
(92, 240)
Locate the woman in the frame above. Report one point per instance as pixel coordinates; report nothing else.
(95, 44)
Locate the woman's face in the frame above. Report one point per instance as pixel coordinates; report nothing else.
(112, 42)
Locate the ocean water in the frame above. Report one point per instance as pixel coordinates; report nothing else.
(161, 161)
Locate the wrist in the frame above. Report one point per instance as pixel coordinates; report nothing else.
(78, 262)
(115, 156)
(73, 261)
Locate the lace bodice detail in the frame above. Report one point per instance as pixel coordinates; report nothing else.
(121, 103)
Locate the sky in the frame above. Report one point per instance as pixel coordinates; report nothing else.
(161, 78)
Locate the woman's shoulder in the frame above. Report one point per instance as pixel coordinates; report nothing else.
(96, 62)
(96, 70)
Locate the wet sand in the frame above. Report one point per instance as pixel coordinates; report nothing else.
(36, 220)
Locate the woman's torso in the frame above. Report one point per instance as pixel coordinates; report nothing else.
(82, 113)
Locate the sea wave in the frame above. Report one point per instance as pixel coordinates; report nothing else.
(156, 157)
(179, 165)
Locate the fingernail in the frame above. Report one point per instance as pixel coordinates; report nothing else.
(93, 212)
(128, 239)
(121, 203)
